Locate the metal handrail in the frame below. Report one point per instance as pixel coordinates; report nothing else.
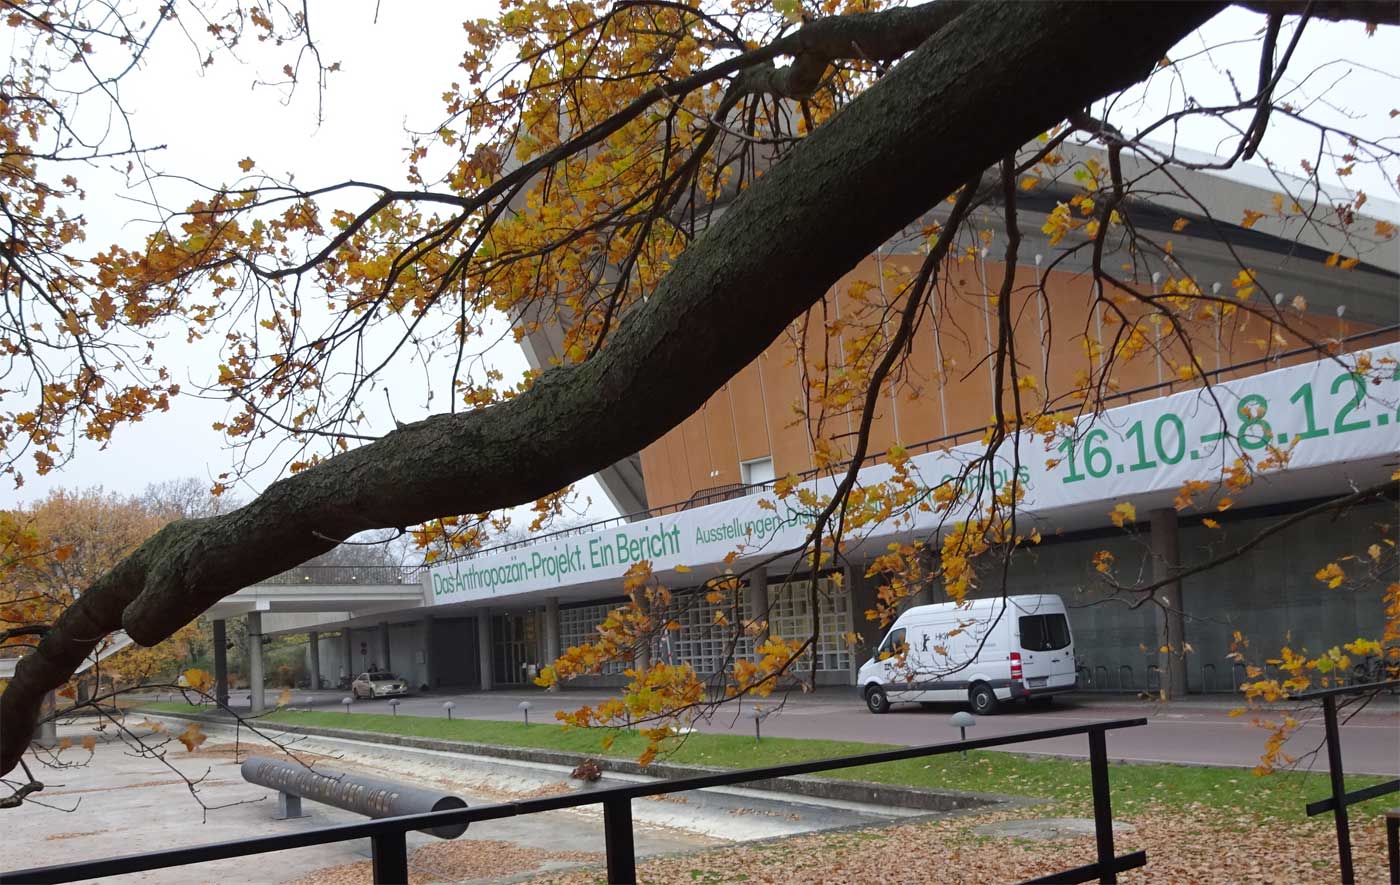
(1339, 800)
(730, 492)
(1354, 688)
(390, 857)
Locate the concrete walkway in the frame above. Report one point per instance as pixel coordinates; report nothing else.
(119, 803)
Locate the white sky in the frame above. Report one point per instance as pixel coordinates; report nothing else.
(393, 74)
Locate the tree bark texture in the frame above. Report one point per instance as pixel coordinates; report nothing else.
(996, 76)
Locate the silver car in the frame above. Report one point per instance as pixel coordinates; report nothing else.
(378, 685)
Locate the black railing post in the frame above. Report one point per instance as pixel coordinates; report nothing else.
(390, 858)
(1103, 809)
(1339, 790)
(617, 833)
(1392, 843)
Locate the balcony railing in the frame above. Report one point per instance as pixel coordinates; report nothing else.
(341, 575)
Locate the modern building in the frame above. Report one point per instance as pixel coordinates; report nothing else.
(694, 495)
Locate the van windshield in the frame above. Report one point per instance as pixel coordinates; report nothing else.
(1044, 632)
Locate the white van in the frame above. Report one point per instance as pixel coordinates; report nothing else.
(991, 651)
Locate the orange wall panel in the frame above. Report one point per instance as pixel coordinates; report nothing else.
(750, 417)
(753, 415)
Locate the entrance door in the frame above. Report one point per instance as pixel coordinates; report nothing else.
(513, 647)
(454, 656)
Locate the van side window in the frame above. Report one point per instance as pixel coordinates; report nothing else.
(1044, 632)
(893, 643)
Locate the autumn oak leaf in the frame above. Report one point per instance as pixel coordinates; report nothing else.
(192, 737)
(199, 680)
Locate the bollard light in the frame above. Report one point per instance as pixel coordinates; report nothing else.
(347, 702)
(757, 716)
(962, 721)
(525, 708)
(394, 705)
(448, 705)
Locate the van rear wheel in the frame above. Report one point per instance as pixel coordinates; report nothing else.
(983, 699)
(876, 700)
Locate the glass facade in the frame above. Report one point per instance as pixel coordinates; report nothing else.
(791, 612)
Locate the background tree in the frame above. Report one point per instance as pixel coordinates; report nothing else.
(578, 180)
(82, 535)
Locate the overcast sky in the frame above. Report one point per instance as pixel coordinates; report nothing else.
(393, 74)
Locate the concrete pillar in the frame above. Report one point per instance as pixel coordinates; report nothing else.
(551, 634)
(758, 603)
(349, 668)
(257, 702)
(427, 647)
(927, 594)
(551, 630)
(1171, 611)
(314, 664)
(220, 662)
(384, 646)
(642, 662)
(48, 729)
(483, 646)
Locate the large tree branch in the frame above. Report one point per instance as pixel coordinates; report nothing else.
(875, 36)
(972, 93)
(1381, 12)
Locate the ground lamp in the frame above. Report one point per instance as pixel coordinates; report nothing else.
(347, 702)
(394, 705)
(525, 708)
(756, 715)
(962, 721)
(448, 705)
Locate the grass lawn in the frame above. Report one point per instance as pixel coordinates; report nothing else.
(1135, 787)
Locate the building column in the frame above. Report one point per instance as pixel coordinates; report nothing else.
(428, 651)
(758, 604)
(314, 647)
(48, 729)
(1171, 609)
(220, 662)
(483, 646)
(257, 701)
(927, 594)
(642, 662)
(386, 666)
(551, 629)
(551, 634)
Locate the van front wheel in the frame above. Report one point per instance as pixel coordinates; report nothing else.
(876, 699)
(983, 699)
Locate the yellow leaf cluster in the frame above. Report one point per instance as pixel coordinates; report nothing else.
(1123, 514)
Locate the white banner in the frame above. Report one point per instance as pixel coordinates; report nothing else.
(1321, 412)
